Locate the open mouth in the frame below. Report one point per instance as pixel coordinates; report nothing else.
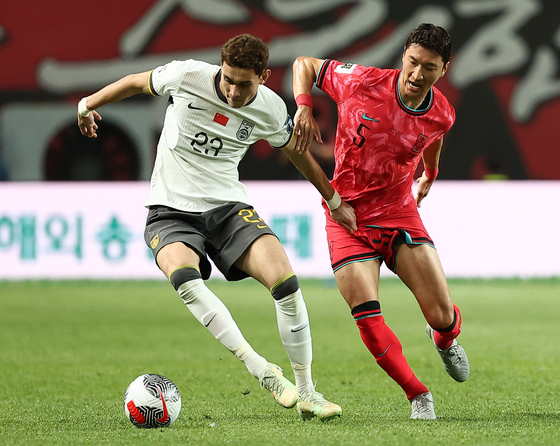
(414, 86)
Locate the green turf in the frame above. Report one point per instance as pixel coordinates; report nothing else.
(69, 350)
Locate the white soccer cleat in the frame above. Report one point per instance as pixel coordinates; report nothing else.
(283, 391)
(423, 407)
(312, 404)
(454, 358)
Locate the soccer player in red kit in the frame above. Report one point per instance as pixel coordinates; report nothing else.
(387, 121)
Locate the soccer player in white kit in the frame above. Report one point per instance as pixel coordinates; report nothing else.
(198, 208)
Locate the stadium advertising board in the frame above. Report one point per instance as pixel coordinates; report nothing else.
(95, 230)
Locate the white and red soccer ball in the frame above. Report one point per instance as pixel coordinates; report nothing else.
(152, 401)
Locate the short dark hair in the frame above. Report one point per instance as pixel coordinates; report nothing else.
(246, 51)
(433, 38)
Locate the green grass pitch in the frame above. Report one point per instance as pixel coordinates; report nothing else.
(68, 350)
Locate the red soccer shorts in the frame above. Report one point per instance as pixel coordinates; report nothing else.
(371, 242)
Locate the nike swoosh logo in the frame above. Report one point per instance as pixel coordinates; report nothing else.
(210, 321)
(192, 107)
(135, 412)
(295, 330)
(365, 116)
(165, 416)
(381, 354)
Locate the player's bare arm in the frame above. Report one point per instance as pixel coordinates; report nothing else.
(430, 157)
(305, 126)
(343, 213)
(117, 91)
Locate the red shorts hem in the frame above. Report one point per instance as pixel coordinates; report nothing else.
(370, 242)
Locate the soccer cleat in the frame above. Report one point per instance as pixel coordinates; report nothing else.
(312, 404)
(423, 407)
(283, 391)
(454, 358)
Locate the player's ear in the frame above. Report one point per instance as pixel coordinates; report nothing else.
(264, 76)
(445, 68)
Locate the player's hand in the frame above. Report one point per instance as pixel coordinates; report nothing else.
(424, 185)
(87, 126)
(344, 215)
(305, 129)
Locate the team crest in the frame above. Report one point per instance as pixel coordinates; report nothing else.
(244, 130)
(420, 143)
(154, 242)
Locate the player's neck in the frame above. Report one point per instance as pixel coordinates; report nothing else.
(415, 102)
(412, 102)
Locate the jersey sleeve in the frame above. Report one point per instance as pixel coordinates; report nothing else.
(166, 79)
(283, 126)
(340, 80)
(445, 110)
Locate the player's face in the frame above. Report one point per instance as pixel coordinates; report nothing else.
(240, 85)
(421, 70)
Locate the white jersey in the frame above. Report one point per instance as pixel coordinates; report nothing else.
(204, 139)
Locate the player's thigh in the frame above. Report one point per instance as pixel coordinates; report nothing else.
(175, 255)
(420, 269)
(358, 282)
(265, 260)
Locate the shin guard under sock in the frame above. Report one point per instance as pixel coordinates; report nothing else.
(386, 347)
(293, 326)
(293, 321)
(211, 312)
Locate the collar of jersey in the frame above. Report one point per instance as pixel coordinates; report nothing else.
(424, 107)
(221, 95)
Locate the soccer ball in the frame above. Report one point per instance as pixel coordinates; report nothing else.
(152, 401)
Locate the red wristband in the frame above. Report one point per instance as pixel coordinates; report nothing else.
(304, 99)
(431, 173)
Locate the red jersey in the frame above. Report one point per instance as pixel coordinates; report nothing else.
(379, 140)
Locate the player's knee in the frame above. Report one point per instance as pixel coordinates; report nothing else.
(285, 286)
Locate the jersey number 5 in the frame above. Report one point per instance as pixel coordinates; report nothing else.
(360, 141)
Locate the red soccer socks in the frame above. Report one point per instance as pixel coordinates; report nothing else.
(443, 337)
(386, 347)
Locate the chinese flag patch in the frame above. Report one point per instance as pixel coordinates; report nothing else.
(221, 119)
